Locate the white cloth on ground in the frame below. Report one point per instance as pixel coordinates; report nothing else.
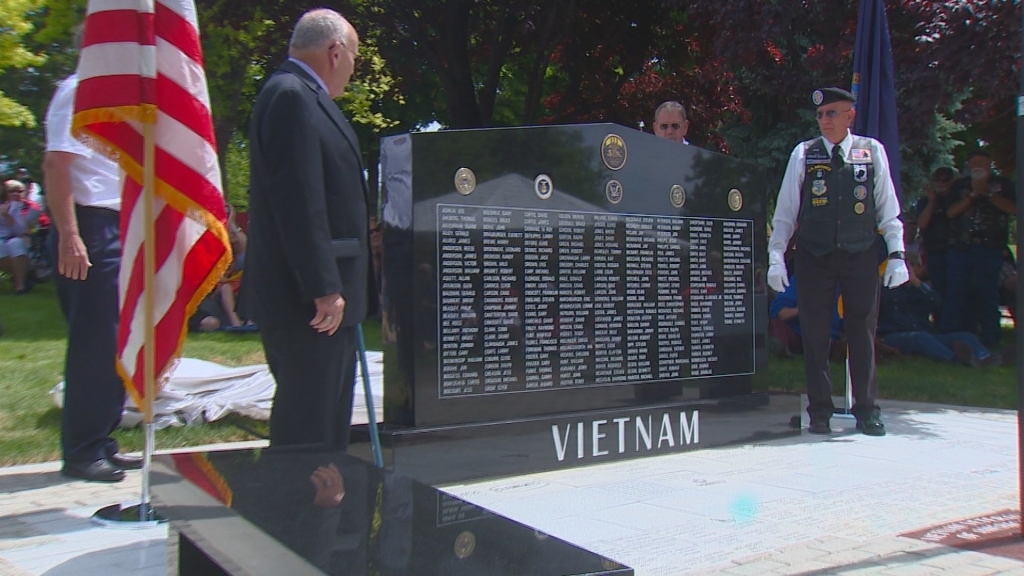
(198, 391)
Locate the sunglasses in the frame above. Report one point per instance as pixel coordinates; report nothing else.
(831, 114)
(674, 126)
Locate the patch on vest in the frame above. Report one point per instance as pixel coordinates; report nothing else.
(860, 156)
(860, 192)
(818, 187)
(819, 168)
(859, 208)
(819, 202)
(860, 173)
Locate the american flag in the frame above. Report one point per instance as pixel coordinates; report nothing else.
(141, 63)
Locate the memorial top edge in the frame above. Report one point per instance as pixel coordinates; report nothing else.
(609, 127)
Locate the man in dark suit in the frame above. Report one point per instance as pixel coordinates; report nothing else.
(306, 266)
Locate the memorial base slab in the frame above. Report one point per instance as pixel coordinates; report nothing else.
(447, 454)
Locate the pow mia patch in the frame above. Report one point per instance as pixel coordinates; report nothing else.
(860, 192)
(818, 187)
(860, 173)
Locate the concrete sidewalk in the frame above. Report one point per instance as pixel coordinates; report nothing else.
(845, 504)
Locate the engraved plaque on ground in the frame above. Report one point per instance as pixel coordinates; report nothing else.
(548, 299)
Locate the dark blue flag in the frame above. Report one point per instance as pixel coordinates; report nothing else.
(874, 83)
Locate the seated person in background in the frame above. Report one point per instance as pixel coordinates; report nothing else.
(784, 338)
(33, 191)
(903, 323)
(218, 311)
(32, 213)
(13, 245)
(37, 227)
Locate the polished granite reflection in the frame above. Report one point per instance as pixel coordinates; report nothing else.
(283, 511)
(564, 171)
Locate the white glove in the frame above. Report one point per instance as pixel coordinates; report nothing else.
(896, 273)
(778, 277)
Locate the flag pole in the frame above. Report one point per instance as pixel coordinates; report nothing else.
(149, 351)
(1020, 295)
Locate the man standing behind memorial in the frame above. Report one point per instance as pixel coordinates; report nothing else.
(838, 189)
(307, 262)
(670, 122)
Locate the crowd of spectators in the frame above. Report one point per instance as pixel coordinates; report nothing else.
(25, 224)
(963, 275)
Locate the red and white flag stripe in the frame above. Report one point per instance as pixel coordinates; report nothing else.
(141, 62)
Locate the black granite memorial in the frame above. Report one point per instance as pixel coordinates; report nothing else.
(559, 295)
(258, 512)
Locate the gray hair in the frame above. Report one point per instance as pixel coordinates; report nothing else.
(318, 29)
(671, 106)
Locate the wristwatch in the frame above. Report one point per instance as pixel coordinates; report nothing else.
(898, 255)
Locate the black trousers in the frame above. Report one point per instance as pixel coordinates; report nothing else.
(315, 375)
(856, 274)
(93, 392)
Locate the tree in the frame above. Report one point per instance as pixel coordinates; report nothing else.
(460, 46)
(32, 86)
(14, 54)
(954, 63)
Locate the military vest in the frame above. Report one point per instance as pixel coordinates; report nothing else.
(837, 206)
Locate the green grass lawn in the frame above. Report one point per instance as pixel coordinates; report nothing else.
(32, 357)
(32, 362)
(916, 378)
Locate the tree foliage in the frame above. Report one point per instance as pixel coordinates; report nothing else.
(743, 68)
(16, 15)
(955, 65)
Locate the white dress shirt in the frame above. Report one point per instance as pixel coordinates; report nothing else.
(95, 179)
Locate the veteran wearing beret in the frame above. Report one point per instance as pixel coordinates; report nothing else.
(837, 196)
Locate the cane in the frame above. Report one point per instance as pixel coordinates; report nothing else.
(378, 457)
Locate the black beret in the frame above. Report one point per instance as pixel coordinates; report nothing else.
(823, 96)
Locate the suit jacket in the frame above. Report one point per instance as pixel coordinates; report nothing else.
(308, 226)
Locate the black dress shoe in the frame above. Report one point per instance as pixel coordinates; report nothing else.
(819, 427)
(125, 461)
(871, 426)
(98, 471)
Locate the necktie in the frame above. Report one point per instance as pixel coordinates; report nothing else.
(837, 157)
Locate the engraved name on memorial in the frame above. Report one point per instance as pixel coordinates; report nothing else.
(533, 299)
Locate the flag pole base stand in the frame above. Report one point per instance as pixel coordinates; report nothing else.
(127, 516)
(843, 414)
